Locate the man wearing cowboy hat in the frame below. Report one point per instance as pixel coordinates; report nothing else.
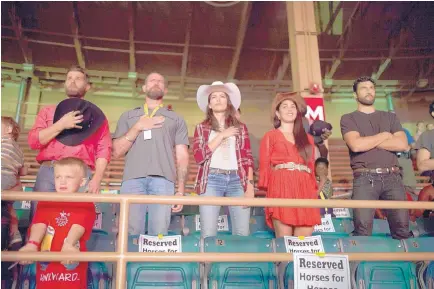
(148, 136)
(73, 128)
(425, 147)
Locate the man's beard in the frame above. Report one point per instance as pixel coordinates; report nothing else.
(365, 101)
(75, 92)
(155, 93)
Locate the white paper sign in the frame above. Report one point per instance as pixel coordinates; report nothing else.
(314, 272)
(311, 244)
(25, 205)
(341, 212)
(326, 225)
(222, 223)
(98, 221)
(166, 244)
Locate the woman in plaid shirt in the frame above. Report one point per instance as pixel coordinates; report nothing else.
(221, 148)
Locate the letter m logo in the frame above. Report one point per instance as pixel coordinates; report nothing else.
(315, 108)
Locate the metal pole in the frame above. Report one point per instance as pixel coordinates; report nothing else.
(23, 86)
(389, 99)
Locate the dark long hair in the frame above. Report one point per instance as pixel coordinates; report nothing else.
(300, 136)
(230, 119)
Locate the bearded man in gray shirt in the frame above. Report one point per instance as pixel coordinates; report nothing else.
(373, 138)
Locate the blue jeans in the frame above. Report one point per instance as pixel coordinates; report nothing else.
(158, 215)
(45, 183)
(221, 185)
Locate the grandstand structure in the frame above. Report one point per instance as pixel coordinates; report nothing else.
(264, 47)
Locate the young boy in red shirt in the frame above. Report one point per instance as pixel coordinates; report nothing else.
(62, 227)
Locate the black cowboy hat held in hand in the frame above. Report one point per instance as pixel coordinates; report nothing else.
(93, 118)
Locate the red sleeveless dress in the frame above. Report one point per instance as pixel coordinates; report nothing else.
(276, 149)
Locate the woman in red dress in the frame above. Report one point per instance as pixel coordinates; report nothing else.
(286, 168)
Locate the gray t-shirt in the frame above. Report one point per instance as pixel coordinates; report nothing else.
(426, 141)
(154, 157)
(369, 125)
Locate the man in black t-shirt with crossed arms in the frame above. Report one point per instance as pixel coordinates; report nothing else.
(373, 137)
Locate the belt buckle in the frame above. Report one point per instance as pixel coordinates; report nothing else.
(378, 170)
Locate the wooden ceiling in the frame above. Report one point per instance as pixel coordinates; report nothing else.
(247, 42)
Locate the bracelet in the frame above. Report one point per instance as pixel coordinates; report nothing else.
(130, 140)
(179, 194)
(34, 243)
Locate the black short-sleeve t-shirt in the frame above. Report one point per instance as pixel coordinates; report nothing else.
(369, 125)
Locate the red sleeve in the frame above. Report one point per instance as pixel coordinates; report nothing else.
(201, 150)
(265, 149)
(40, 124)
(246, 148)
(104, 149)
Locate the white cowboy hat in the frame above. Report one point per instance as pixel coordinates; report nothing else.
(217, 86)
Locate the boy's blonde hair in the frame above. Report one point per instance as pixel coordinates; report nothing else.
(71, 161)
(15, 127)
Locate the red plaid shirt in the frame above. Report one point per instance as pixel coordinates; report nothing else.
(202, 155)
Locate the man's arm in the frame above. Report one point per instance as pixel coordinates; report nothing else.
(398, 143)
(41, 134)
(424, 163)
(323, 151)
(181, 166)
(102, 155)
(123, 144)
(124, 141)
(362, 144)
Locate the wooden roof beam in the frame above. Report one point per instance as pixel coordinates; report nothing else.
(333, 18)
(342, 42)
(245, 16)
(132, 7)
(22, 40)
(186, 50)
(75, 26)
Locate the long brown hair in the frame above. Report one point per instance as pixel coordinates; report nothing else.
(230, 118)
(9, 121)
(300, 136)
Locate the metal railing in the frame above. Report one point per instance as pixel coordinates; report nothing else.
(121, 256)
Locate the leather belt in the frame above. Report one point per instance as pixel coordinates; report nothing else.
(221, 171)
(403, 155)
(378, 170)
(292, 166)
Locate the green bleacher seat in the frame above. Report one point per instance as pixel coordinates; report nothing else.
(380, 227)
(425, 227)
(343, 228)
(147, 275)
(385, 275)
(175, 226)
(379, 275)
(286, 270)
(424, 270)
(240, 275)
(360, 244)
(419, 244)
(259, 229)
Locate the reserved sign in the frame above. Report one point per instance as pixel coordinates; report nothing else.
(166, 244)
